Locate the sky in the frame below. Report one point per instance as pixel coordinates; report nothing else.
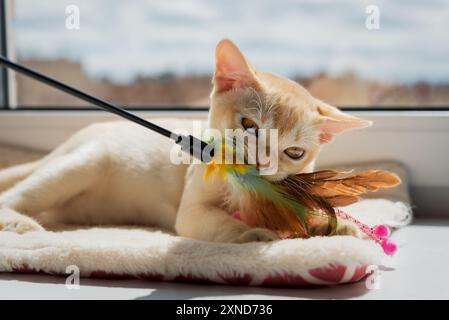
(121, 40)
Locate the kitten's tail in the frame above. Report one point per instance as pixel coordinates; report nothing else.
(10, 176)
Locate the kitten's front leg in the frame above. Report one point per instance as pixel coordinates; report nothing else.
(211, 223)
(199, 216)
(256, 235)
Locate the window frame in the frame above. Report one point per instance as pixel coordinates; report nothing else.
(4, 85)
(8, 100)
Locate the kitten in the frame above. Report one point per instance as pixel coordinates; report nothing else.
(120, 173)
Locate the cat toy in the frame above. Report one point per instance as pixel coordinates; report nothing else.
(299, 206)
(190, 144)
(303, 205)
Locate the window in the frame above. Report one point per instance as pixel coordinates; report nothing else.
(159, 53)
(3, 51)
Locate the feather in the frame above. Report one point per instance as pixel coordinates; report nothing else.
(356, 185)
(276, 209)
(342, 201)
(302, 205)
(324, 190)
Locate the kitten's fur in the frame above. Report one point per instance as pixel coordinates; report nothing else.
(120, 173)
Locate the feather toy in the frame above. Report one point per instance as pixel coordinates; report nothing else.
(303, 205)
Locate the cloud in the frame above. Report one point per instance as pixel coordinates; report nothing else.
(122, 39)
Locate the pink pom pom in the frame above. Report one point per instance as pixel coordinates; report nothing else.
(389, 247)
(382, 231)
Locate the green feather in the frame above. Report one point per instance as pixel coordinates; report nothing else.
(252, 181)
(249, 180)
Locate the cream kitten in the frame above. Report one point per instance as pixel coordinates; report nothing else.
(120, 173)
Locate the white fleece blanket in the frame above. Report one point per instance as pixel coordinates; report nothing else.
(156, 255)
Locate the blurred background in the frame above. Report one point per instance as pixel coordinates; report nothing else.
(159, 53)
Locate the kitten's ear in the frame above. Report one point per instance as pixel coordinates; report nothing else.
(232, 69)
(332, 122)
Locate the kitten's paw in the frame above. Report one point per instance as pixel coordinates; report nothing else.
(14, 222)
(256, 235)
(347, 228)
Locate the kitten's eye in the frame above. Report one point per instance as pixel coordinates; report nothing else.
(249, 125)
(295, 153)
